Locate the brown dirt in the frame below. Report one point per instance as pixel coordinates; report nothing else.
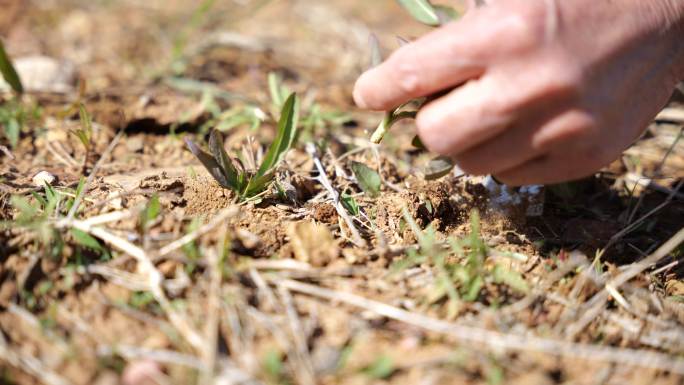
(85, 313)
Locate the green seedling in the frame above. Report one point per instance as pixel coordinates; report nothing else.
(85, 132)
(39, 213)
(14, 116)
(458, 281)
(433, 15)
(231, 174)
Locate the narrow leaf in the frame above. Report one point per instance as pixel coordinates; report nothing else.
(215, 170)
(375, 52)
(86, 240)
(219, 152)
(446, 14)
(258, 184)
(510, 278)
(417, 143)
(287, 131)
(350, 204)
(438, 167)
(368, 179)
(8, 71)
(86, 120)
(421, 10)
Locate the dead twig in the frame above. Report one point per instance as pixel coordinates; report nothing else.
(220, 218)
(493, 339)
(155, 279)
(598, 301)
(335, 195)
(29, 364)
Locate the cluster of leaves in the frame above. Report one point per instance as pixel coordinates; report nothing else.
(38, 213)
(432, 15)
(232, 174)
(245, 112)
(14, 115)
(458, 282)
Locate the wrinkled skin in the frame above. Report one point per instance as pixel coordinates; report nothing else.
(544, 91)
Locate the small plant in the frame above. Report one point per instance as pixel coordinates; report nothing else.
(39, 214)
(13, 113)
(14, 116)
(232, 174)
(432, 15)
(458, 282)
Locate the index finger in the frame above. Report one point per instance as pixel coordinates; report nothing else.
(437, 61)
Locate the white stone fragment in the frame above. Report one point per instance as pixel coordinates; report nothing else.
(42, 178)
(45, 74)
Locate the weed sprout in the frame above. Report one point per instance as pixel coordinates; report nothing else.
(231, 174)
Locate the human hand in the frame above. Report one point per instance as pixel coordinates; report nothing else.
(547, 90)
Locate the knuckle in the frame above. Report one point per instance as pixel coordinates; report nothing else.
(407, 75)
(523, 29)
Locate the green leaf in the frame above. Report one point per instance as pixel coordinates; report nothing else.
(350, 204)
(8, 71)
(219, 152)
(511, 278)
(12, 131)
(86, 240)
(446, 14)
(287, 131)
(421, 10)
(381, 368)
(258, 184)
(273, 363)
(86, 121)
(368, 179)
(417, 143)
(438, 167)
(215, 170)
(150, 212)
(277, 90)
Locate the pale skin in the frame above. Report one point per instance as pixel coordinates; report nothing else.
(542, 91)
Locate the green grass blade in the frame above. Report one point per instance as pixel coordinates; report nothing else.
(421, 10)
(287, 131)
(275, 89)
(219, 152)
(257, 184)
(8, 71)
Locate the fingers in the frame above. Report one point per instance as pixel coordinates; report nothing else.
(439, 60)
(527, 139)
(509, 150)
(463, 118)
(548, 169)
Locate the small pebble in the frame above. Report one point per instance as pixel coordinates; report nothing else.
(43, 177)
